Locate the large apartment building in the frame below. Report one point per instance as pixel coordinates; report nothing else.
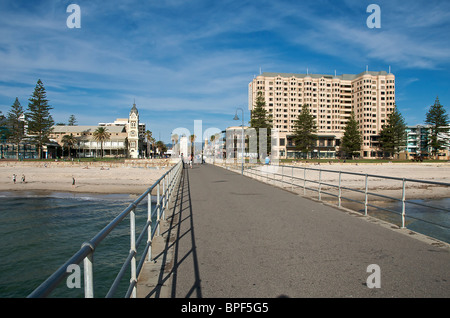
(331, 99)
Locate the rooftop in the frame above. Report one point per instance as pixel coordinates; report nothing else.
(348, 77)
(86, 129)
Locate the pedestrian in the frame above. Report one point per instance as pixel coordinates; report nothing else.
(23, 178)
(14, 178)
(267, 160)
(191, 159)
(73, 182)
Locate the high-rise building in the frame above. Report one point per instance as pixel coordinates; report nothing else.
(331, 99)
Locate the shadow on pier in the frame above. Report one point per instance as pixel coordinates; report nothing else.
(178, 248)
(232, 236)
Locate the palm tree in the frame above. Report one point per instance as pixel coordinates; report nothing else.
(162, 148)
(101, 134)
(150, 140)
(69, 141)
(175, 139)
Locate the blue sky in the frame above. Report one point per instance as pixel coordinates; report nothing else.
(186, 60)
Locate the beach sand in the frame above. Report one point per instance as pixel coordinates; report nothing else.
(89, 178)
(136, 176)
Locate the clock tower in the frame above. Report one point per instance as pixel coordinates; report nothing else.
(133, 133)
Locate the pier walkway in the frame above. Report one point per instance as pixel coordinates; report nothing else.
(231, 236)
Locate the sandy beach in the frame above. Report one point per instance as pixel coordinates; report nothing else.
(134, 177)
(100, 178)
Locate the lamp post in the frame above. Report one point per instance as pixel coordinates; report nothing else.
(242, 145)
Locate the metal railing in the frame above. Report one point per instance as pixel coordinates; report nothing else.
(164, 188)
(288, 176)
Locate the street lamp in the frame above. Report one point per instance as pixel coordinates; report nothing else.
(242, 145)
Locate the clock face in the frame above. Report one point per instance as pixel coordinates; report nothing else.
(133, 133)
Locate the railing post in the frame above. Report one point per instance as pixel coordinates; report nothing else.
(133, 278)
(282, 177)
(149, 229)
(292, 179)
(339, 196)
(164, 194)
(88, 264)
(304, 181)
(403, 203)
(320, 184)
(366, 199)
(158, 209)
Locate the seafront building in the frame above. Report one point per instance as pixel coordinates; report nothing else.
(331, 99)
(127, 136)
(418, 138)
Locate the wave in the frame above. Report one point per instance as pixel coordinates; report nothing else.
(68, 195)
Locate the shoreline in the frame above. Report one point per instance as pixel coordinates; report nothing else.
(94, 179)
(136, 177)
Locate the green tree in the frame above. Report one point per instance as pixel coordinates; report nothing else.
(72, 120)
(69, 141)
(15, 124)
(38, 116)
(162, 148)
(4, 132)
(305, 130)
(393, 133)
(259, 119)
(150, 142)
(437, 118)
(101, 134)
(352, 140)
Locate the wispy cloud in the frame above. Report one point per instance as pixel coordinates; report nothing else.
(198, 56)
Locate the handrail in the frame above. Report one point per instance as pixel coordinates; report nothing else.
(251, 169)
(167, 181)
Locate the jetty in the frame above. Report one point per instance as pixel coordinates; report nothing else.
(231, 236)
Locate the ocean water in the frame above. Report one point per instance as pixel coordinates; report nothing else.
(41, 232)
(433, 222)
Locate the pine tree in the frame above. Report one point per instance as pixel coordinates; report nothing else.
(16, 124)
(72, 120)
(437, 118)
(260, 119)
(352, 140)
(393, 134)
(38, 116)
(4, 133)
(305, 130)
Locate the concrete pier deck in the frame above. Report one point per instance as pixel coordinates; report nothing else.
(231, 236)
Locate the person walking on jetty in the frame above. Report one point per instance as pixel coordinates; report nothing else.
(73, 182)
(14, 178)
